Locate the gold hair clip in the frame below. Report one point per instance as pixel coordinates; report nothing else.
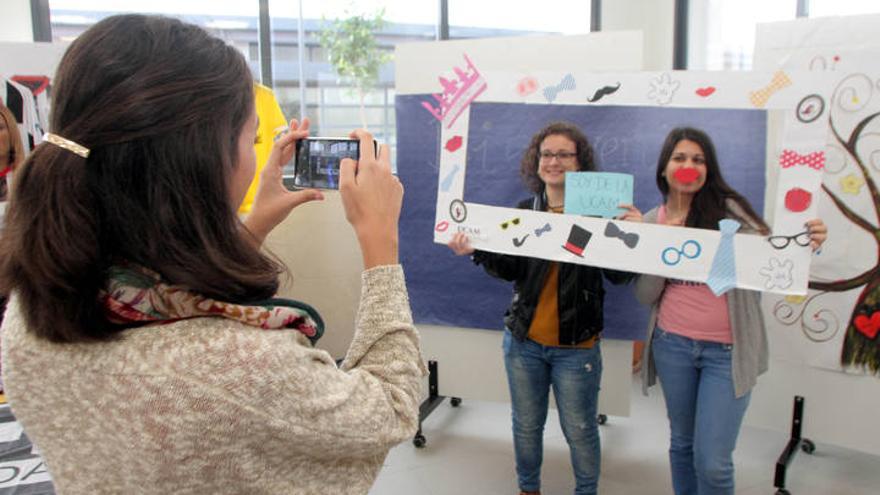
(67, 144)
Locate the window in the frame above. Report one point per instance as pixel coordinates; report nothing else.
(722, 33)
(231, 21)
(332, 105)
(823, 8)
(469, 19)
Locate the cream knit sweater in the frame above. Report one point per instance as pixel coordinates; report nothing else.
(209, 405)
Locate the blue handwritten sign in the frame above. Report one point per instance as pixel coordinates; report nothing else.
(597, 193)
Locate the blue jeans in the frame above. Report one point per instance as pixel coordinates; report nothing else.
(574, 374)
(704, 414)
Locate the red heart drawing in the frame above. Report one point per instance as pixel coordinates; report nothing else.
(705, 92)
(797, 199)
(868, 326)
(454, 143)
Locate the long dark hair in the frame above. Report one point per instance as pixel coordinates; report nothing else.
(160, 104)
(528, 168)
(710, 203)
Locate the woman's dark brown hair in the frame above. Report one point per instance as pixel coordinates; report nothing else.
(528, 168)
(710, 203)
(160, 104)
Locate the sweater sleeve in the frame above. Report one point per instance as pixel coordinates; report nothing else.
(648, 288)
(360, 409)
(375, 397)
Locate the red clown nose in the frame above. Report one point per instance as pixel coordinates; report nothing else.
(686, 175)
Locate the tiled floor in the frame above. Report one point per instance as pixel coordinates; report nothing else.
(470, 452)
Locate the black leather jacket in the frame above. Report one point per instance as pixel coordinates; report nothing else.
(581, 294)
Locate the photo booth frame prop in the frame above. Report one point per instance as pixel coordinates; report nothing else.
(723, 259)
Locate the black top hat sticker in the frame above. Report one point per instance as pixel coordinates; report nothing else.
(577, 240)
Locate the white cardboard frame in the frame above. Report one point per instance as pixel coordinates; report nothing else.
(759, 266)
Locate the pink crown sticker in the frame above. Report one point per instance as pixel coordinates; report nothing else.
(458, 93)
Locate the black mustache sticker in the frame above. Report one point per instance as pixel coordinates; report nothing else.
(603, 91)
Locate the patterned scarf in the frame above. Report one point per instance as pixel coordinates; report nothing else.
(137, 295)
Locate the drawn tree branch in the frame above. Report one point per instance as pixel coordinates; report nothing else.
(861, 346)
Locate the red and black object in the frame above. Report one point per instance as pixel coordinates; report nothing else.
(578, 239)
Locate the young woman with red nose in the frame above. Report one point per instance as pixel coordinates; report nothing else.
(707, 350)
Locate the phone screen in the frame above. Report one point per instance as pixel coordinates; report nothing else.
(316, 164)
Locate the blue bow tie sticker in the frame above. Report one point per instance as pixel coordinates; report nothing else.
(631, 239)
(567, 84)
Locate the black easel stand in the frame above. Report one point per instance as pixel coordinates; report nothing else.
(791, 449)
(434, 399)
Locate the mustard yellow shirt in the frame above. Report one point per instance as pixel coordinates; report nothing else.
(544, 328)
(271, 118)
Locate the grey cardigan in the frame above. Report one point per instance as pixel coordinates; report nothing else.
(746, 322)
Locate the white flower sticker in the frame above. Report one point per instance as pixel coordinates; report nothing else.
(777, 274)
(663, 88)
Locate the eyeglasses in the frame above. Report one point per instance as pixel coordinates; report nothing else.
(504, 225)
(782, 241)
(562, 155)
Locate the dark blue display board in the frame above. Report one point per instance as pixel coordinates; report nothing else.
(449, 290)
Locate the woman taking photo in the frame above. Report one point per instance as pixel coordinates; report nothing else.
(144, 350)
(706, 350)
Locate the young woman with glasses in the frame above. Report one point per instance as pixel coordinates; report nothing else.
(553, 325)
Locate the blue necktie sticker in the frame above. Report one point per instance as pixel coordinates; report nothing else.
(447, 181)
(722, 274)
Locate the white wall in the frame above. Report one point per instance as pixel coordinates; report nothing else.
(654, 18)
(15, 23)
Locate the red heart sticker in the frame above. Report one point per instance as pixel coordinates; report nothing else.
(705, 92)
(797, 199)
(454, 143)
(686, 175)
(868, 326)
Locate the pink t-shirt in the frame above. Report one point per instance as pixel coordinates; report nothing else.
(691, 309)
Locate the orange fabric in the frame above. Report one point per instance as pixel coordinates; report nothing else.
(545, 324)
(544, 328)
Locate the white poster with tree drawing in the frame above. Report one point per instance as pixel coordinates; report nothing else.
(837, 324)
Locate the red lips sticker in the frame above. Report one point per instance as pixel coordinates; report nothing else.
(442, 226)
(526, 86)
(686, 175)
(453, 144)
(868, 326)
(797, 199)
(705, 92)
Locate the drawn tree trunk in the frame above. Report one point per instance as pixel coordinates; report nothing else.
(861, 346)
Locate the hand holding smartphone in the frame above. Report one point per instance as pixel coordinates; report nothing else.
(372, 197)
(316, 162)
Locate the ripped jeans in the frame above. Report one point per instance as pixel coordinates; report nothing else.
(574, 374)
